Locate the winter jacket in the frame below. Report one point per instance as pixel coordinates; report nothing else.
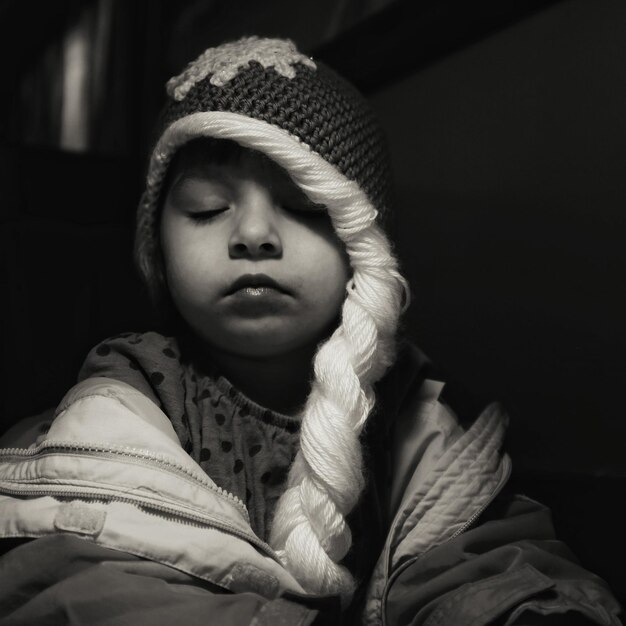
(130, 530)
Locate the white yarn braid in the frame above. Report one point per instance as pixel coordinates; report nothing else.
(309, 530)
(325, 482)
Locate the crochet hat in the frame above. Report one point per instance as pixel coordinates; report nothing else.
(267, 96)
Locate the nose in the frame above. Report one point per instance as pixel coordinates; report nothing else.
(255, 233)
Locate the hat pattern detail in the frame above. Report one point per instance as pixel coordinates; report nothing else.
(225, 61)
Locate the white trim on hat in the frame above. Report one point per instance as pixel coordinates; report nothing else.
(347, 204)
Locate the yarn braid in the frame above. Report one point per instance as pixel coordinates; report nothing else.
(309, 530)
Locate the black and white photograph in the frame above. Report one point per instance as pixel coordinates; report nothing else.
(312, 312)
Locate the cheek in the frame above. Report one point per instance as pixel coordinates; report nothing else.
(329, 272)
(183, 263)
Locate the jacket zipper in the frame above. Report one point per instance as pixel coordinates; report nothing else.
(117, 451)
(506, 472)
(146, 457)
(196, 518)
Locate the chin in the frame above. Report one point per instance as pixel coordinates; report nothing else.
(261, 344)
(267, 338)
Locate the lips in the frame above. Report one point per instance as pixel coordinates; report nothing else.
(255, 281)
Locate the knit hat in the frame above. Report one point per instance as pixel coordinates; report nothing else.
(267, 96)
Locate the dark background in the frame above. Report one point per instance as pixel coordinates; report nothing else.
(508, 135)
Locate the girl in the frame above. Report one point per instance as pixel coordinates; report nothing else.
(274, 440)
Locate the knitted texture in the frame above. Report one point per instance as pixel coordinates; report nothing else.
(322, 133)
(312, 103)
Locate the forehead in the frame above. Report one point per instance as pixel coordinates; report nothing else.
(227, 161)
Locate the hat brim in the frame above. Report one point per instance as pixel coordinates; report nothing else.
(348, 206)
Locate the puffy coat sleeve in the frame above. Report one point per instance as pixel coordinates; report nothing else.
(62, 579)
(509, 569)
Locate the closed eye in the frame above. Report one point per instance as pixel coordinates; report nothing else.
(306, 210)
(205, 216)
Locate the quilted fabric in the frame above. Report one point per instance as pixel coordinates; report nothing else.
(459, 486)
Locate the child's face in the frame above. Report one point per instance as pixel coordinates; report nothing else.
(251, 265)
